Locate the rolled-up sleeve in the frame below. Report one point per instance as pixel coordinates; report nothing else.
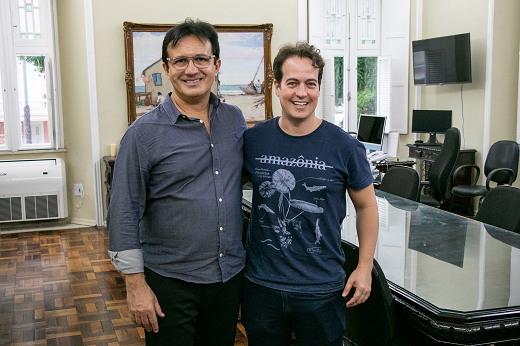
(127, 204)
(128, 261)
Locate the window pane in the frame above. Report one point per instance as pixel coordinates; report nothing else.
(36, 20)
(30, 28)
(2, 127)
(366, 85)
(338, 92)
(30, 21)
(32, 96)
(23, 28)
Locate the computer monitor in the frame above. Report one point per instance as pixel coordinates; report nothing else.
(432, 122)
(371, 130)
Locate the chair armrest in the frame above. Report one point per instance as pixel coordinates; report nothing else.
(490, 175)
(458, 169)
(422, 184)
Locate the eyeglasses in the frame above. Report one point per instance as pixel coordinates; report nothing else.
(200, 61)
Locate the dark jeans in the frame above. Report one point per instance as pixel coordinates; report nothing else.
(195, 314)
(270, 316)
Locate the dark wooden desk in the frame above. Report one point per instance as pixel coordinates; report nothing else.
(428, 154)
(109, 173)
(385, 166)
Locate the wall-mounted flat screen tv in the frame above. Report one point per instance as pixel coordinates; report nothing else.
(442, 60)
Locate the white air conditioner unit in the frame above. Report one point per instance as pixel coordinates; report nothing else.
(32, 190)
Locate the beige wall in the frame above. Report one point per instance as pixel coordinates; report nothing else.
(76, 110)
(110, 70)
(504, 94)
(447, 17)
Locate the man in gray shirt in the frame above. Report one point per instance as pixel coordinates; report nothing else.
(175, 219)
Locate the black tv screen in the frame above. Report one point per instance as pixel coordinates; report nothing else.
(442, 60)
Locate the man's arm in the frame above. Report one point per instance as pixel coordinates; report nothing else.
(127, 203)
(367, 224)
(143, 306)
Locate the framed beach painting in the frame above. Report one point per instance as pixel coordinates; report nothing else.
(245, 78)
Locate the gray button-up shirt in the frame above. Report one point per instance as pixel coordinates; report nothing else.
(175, 203)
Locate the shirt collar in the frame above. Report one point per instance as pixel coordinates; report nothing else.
(174, 113)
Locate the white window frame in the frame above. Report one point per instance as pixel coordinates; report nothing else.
(369, 24)
(392, 21)
(10, 48)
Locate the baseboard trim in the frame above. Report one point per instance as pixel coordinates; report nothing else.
(84, 222)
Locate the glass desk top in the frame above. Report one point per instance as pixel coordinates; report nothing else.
(449, 261)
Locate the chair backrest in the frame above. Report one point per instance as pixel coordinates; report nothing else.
(501, 208)
(443, 165)
(402, 181)
(374, 322)
(502, 154)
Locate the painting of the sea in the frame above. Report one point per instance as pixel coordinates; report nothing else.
(233, 89)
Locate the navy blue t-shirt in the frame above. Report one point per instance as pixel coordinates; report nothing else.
(299, 202)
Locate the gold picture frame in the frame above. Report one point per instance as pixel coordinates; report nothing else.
(243, 49)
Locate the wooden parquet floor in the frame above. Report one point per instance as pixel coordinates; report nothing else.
(59, 288)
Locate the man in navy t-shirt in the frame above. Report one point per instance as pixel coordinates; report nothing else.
(301, 168)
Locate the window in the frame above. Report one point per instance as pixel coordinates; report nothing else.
(333, 24)
(339, 103)
(28, 75)
(366, 86)
(369, 22)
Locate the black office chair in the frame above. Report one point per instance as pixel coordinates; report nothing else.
(501, 167)
(402, 181)
(374, 322)
(501, 208)
(442, 167)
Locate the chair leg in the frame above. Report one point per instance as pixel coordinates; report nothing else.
(452, 202)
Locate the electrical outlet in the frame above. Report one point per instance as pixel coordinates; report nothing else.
(78, 190)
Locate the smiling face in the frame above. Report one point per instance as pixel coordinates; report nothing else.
(298, 90)
(191, 84)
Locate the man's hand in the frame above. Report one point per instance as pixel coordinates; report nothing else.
(362, 280)
(142, 302)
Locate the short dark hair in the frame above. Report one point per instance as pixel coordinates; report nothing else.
(302, 50)
(202, 30)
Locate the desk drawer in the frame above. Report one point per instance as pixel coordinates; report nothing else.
(423, 154)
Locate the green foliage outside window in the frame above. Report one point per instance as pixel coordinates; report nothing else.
(366, 85)
(36, 61)
(338, 80)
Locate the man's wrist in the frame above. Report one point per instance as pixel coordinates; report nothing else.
(135, 280)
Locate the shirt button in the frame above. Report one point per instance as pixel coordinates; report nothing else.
(221, 255)
(216, 172)
(212, 145)
(202, 122)
(220, 199)
(221, 228)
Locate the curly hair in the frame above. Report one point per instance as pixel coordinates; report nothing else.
(299, 49)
